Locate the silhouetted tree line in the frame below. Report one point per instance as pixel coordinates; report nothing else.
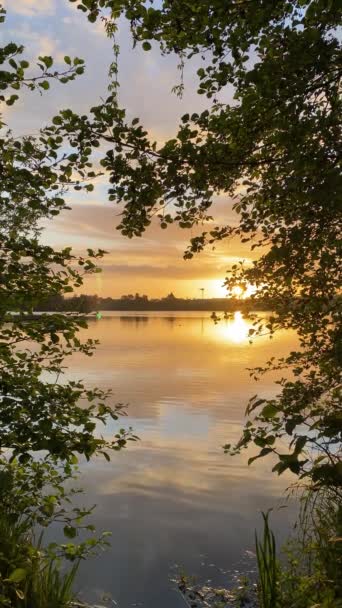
(89, 303)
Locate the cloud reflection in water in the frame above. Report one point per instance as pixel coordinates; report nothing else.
(174, 495)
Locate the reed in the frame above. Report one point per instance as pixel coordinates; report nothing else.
(268, 568)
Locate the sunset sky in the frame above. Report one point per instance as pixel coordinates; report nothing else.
(153, 264)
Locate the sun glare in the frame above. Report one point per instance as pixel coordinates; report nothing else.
(217, 289)
(238, 292)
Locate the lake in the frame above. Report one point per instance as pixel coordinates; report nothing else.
(174, 501)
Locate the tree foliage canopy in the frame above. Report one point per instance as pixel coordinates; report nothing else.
(36, 411)
(274, 151)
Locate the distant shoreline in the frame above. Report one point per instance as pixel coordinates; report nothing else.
(133, 314)
(89, 304)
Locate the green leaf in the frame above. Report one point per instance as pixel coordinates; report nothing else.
(18, 575)
(269, 411)
(47, 60)
(70, 531)
(300, 443)
(262, 453)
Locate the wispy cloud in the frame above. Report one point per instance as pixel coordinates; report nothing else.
(36, 43)
(30, 8)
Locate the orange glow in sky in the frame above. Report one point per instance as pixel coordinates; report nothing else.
(103, 285)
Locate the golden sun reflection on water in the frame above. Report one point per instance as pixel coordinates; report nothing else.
(237, 329)
(233, 330)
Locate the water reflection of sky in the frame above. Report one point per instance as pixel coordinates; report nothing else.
(174, 497)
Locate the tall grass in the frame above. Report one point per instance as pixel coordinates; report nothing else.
(29, 577)
(51, 588)
(268, 583)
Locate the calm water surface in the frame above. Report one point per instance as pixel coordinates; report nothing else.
(174, 499)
